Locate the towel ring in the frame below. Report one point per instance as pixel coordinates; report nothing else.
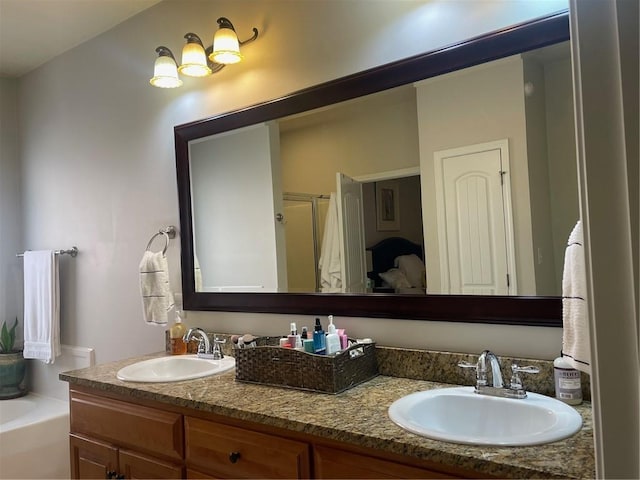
(169, 232)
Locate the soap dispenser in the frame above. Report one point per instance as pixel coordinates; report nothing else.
(333, 340)
(319, 340)
(176, 334)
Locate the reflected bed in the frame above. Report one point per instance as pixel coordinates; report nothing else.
(394, 269)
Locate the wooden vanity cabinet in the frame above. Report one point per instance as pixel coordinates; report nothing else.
(92, 458)
(112, 438)
(226, 451)
(338, 463)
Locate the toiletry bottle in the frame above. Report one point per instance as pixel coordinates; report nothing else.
(176, 334)
(344, 339)
(332, 340)
(319, 341)
(307, 345)
(305, 334)
(567, 382)
(292, 336)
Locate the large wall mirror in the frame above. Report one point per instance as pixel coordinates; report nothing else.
(440, 187)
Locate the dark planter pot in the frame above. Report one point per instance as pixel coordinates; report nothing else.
(12, 375)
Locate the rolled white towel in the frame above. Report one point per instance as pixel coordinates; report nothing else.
(157, 298)
(576, 347)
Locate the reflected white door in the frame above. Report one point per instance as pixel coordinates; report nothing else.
(351, 228)
(474, 220)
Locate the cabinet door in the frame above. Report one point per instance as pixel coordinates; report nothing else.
(230, 452)
(92, 458)
(148, 430)
(136, 465)
(334, 463)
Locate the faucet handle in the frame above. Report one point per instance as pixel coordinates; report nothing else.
(217, 350)
(516, 382)
(529, 369)
(467, 365)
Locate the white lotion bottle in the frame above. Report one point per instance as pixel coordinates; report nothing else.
(332, 340)
(567, 382)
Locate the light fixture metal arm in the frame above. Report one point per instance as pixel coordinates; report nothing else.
(214, 66)
(193, 38)
(224, 22)
(163, 51)
(249, 40)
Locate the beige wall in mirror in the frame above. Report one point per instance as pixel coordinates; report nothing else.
(271, 185)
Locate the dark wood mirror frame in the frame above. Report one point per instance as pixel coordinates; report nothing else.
(533, 311)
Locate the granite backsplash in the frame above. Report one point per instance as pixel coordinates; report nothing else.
(442, 367)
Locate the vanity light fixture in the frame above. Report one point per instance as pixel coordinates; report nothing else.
(198, 61)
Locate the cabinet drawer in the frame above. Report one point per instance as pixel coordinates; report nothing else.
(140, 428)
(335, 463)
(230, 452)
(135, 465)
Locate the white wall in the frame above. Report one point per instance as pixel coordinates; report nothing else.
(538, 165)
(98, 159)
(561, 156)
(363, 137)
(10, 207)
(234, 191)
(453, 112)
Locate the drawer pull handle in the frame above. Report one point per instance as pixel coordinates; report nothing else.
(234, 457)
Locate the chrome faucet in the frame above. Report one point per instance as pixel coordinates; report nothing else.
(481, 370)
(495, 386)
(204, 345)
(205, 348)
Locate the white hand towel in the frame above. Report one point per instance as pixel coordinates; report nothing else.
(576, 348)
(329, 263)
(197, 273)
(157, 298)
(41, 306)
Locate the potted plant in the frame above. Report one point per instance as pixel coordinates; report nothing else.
(12, 364)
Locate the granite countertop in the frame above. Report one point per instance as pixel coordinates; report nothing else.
(357, 416)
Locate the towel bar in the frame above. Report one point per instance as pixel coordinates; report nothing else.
(73, 251)
(168, 232)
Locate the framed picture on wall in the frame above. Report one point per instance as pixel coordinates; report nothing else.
(387, 206)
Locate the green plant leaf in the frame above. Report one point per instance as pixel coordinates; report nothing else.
(8, 337)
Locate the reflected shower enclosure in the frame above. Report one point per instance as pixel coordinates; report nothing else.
(304, 221)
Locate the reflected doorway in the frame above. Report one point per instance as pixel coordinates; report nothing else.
(304, 219)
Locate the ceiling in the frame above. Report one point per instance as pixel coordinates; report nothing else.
(33, 32)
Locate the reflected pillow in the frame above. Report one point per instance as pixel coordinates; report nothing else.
(395, 278)
(413, 268)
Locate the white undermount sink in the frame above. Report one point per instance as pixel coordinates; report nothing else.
(174, 368)
(459, 415)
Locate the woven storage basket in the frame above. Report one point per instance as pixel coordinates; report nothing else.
(285, 367)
